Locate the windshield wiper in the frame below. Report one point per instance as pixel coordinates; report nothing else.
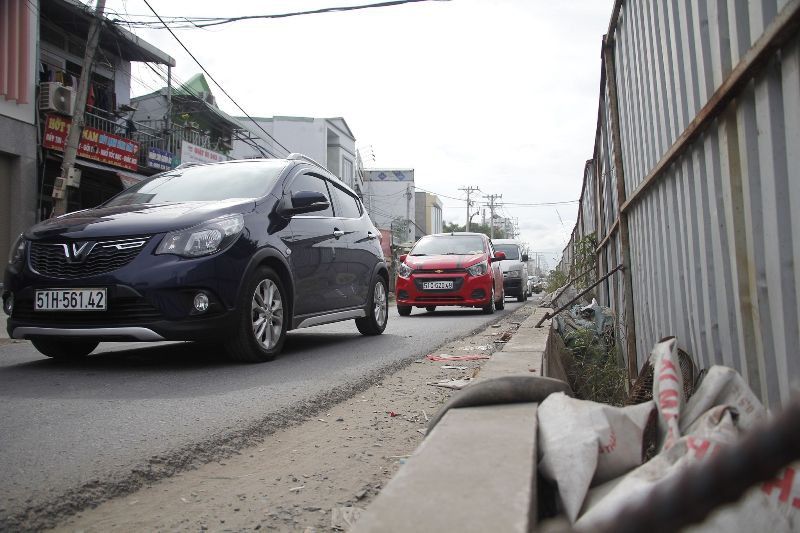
(418, 255)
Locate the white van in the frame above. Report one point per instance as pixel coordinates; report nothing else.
(515, 268)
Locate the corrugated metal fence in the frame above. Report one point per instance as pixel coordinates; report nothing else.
(694, 184)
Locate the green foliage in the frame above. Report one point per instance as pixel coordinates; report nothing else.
(584, 258)
(555, 280)
(594, 372)
(475, 228)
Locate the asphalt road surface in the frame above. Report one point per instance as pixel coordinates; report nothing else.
(74, 433)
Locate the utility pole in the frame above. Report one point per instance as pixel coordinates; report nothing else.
(60, 190)
(492, 198)
(410, 233)
(469, 190)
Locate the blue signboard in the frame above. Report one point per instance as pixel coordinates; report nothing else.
(160, 159)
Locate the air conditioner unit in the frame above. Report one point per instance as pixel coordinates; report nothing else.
(53, 96)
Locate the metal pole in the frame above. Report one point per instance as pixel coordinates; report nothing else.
(410, 234)
(60, 190)
(579, 296)
(168, 119)
(469, 190)
(625, 246)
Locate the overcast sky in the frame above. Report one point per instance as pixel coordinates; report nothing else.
(496, 94)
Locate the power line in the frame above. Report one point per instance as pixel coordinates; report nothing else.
(215, 81)
(204, 22)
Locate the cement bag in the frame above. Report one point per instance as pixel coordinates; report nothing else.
(667, 390)
(583, 443)
(721, 410)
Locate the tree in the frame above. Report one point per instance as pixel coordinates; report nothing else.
(474, 228)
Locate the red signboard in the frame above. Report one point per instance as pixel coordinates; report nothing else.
(95, 144)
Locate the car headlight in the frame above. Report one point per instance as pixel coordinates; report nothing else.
(478, 269)
(17, 253)
(514, 273)
(205, 239)
(404, 271)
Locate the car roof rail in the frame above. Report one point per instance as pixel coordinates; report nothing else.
(189, 164)
(302, 157)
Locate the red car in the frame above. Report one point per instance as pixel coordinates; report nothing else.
(450, 269)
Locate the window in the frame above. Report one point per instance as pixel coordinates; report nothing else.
(347, 171)
(347, 206)
(308, 182)
(204, 183)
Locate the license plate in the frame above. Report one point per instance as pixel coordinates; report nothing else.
(427, 285)
(70, 300)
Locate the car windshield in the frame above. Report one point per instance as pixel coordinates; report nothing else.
(205, 183)
(449, 245)
(511, 251)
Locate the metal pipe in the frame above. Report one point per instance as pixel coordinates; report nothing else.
(624, 235)
(578, 297)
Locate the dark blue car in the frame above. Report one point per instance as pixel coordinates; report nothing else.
(235, 253)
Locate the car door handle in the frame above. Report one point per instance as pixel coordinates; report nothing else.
(338, 233)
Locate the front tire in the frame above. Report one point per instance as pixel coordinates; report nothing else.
(64, 349)
(262, 319)
(490, 308)
(501, 303)
(404, 310)
(377, 310)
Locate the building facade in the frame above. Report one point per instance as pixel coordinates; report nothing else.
(428, 213)
(42, 47)
(328, 141)
(18, 27)
(184, 125)
(390, 201)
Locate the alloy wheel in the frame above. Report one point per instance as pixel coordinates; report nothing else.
(267, 314)
(380, 303)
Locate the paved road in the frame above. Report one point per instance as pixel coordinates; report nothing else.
(65, 428)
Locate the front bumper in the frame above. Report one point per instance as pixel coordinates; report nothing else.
(468, 291)
(512, 286)
(149, 299)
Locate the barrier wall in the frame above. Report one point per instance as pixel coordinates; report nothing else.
(694, 184)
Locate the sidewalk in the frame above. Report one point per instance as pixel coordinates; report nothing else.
(475, 470)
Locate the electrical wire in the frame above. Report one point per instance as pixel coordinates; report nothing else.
(204, 22)
(215, 81)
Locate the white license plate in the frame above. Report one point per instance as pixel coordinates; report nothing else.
(427, 285)
(70, 300)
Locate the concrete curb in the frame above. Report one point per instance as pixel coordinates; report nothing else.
(476, 470)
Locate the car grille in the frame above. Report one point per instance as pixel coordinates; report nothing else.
(51, 259)
(120, 311)
(440, 271)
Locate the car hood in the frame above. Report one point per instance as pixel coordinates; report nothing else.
(141, 219)
(443, 262)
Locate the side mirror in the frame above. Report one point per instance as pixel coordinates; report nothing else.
(402, 258)
(499, 256)
(525, 257)
(303, 202)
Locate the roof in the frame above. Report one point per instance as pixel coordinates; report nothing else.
(75, 17)
(191, 90)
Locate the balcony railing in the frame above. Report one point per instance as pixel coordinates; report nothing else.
(152, 133)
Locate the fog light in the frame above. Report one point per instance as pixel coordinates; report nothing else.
(201, 302)
(8, 304)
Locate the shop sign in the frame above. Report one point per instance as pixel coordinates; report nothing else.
(191, 153)
(160, 159)
(95, 144)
